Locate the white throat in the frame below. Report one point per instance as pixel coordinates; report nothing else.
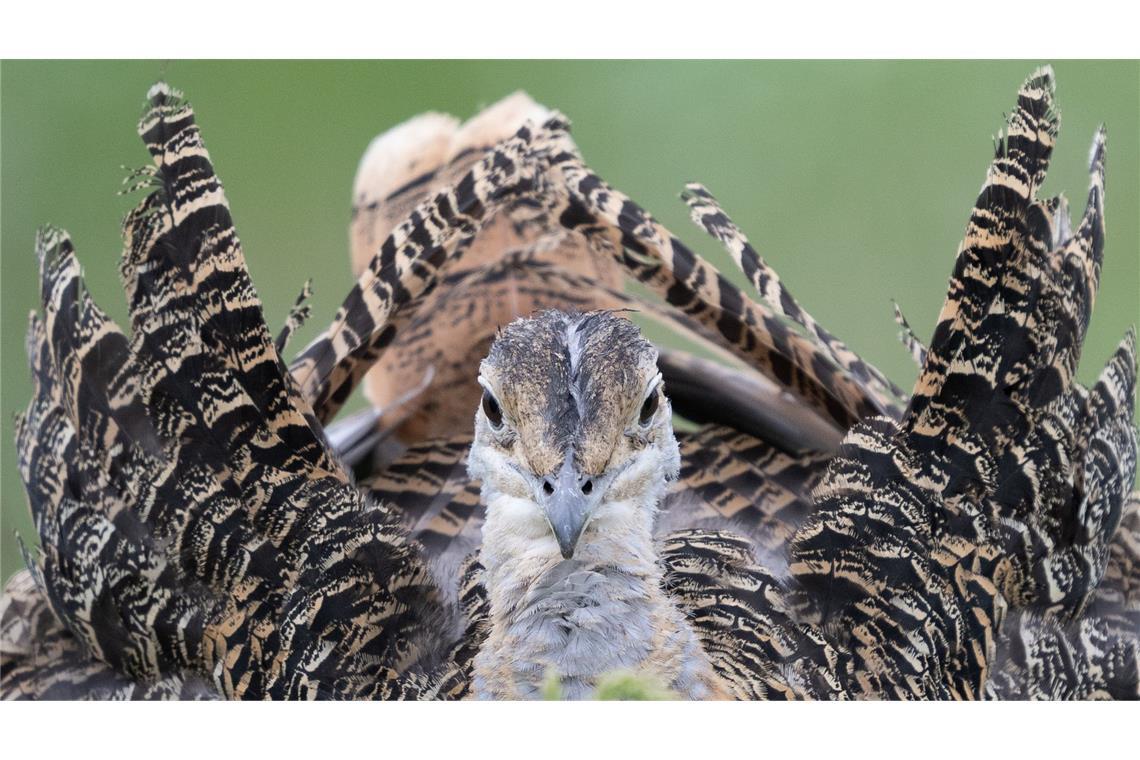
(578, 619)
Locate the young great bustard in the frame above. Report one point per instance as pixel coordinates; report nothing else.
(574, 448)
(200, 537)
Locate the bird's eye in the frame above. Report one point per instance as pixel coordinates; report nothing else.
(650, 406)
(492, 410)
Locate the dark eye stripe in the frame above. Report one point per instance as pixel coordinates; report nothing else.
(492, 410)
(650, 406)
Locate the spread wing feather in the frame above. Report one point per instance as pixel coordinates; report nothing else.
(195, 527)
(538, 170)
(1002, 486)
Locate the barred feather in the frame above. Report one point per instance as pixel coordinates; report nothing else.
(200, 537)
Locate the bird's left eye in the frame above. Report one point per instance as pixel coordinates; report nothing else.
(650, 406)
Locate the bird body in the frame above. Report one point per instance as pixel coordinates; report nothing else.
(577, 621)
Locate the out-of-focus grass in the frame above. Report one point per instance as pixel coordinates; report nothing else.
(624, 685)
(854, 180)
(617, 685)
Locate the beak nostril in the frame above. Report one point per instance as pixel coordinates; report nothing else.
(547, 488)
(587, 486)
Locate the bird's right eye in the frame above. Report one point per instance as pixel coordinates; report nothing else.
(492, 410)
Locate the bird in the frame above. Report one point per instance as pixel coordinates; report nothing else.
(199, 535)
(574, 448)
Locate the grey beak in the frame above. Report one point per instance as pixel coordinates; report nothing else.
(568, 508)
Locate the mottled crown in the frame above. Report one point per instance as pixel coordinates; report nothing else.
(568, 382)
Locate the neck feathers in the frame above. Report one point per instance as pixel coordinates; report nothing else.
(581, 618)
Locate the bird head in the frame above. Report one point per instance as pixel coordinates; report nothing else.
(573, 441)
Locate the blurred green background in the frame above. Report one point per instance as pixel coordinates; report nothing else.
(854, 180)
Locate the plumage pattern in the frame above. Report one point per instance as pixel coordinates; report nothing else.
(540, 165)
(194, 524)
(1002, 484)
(425, 382)
(200, 538)
(707, 213)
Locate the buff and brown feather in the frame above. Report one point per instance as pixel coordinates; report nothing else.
(199, 537)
